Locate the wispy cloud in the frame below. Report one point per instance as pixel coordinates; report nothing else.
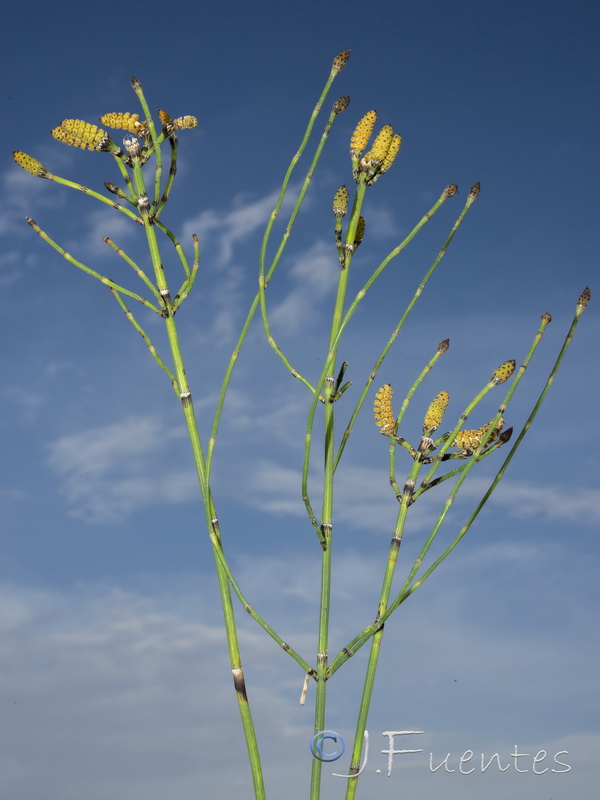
(21, 194)
(119, 690)
(109, 471)
(364, 500)
(526, 499)
(315, 274)
(229, 227)
(100, 223)
(223, 235)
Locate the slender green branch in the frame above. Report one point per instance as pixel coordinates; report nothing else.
(504, 438)
(188, 284)
(263, 279)
(375, 651)
(172, 170)
(146, 339)
(106, 200)
(106, 281)
(197, 449)
(353, 646)
(257, 617)
(137, 88)
(254, 305)
(177, 246)
(140, 272)
(449, 191)
(328, 474)
(546, 318)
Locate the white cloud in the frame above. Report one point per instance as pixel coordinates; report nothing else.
(128, 693)
(109, 691)
(315, 273)
(381, 223)
(10, 269)
(22, 193)
(525, 500)
(110, 471)
(220, 231)
(97, 224)
(230, 227)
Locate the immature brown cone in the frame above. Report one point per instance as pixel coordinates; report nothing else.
(132, 146)
(474, 191)
(341, 104)
(450, 190)
(340, 61)
(584, 298)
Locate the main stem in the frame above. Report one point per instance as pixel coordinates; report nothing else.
(211, 516)
(328, 473)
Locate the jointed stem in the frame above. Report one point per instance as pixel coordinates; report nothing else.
(327, 390)
(448, 192)
(170, 179)
(410, 585)
(93, 273)
(178, 247)
(388, 577)
(264, 275)
(197, 449)
(106, 200)
(263, 280)
(328, 383)
(140, 272)
(146, 339)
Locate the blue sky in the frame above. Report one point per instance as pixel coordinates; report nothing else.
(114, 678)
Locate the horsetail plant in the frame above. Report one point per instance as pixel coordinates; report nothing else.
(142, 199)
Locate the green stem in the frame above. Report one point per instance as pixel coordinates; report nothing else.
(546, 318)
(147, 341)
(408, 586)
(178, 246)
(106, 281)
(173, 169)
(262, 280)
(442, 348)
(197, 449)
(140, 272)
(375, 651)
(106, 200)
(328, 383)
(449, 191)
(262, 260)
